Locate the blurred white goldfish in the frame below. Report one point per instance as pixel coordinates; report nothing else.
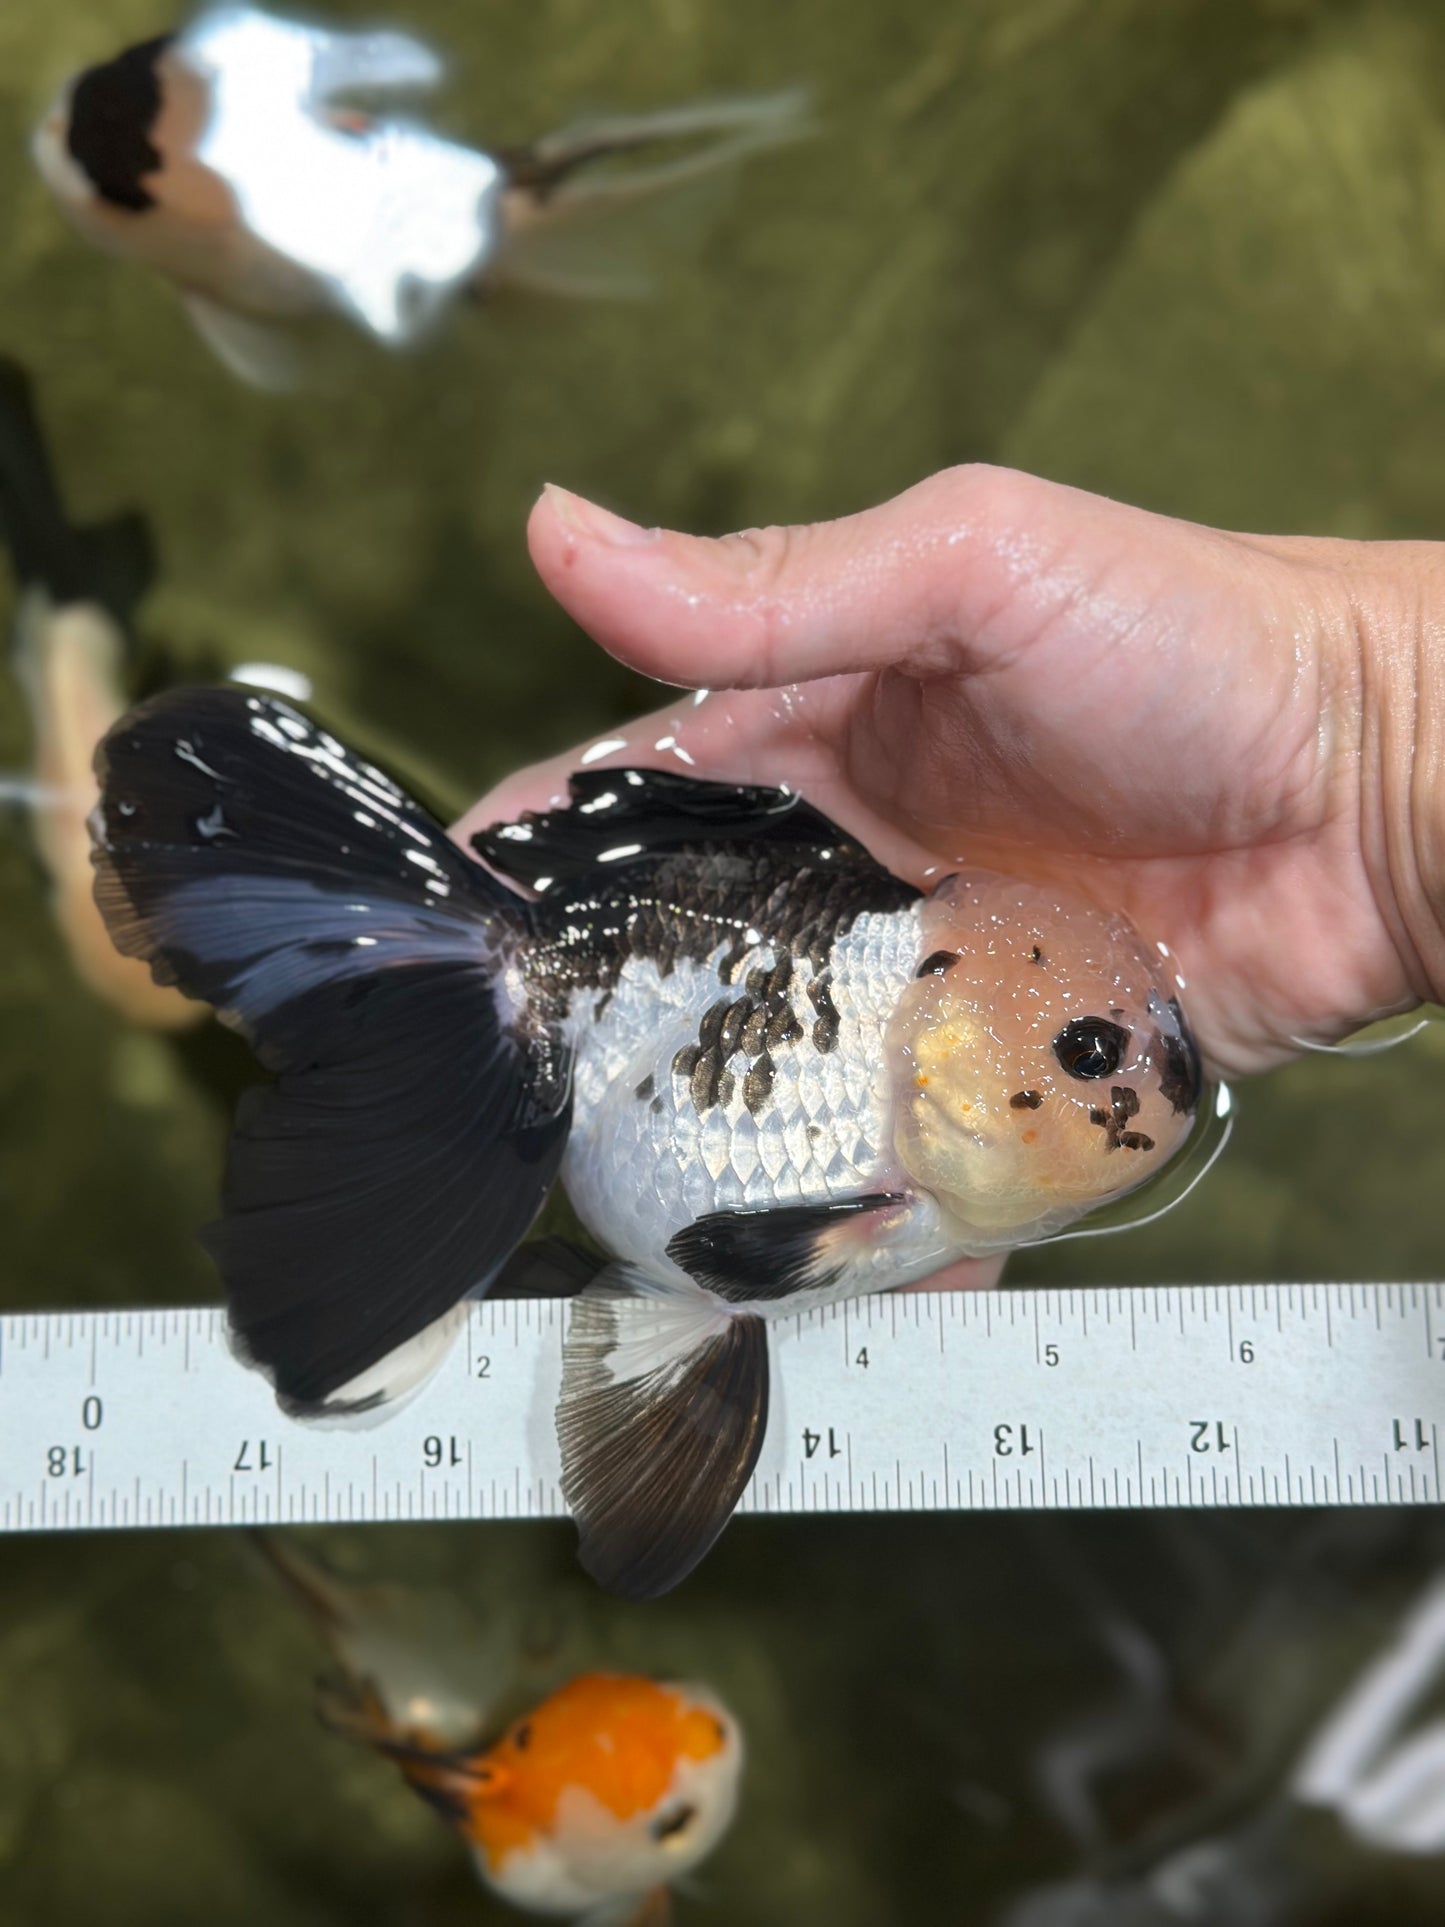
(70, 650)
(229, 157)
(588, 1802)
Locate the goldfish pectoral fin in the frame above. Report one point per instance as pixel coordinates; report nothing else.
(743, 1255)
(260, 355)
(415, 1128)
(548, 1267)
(658, 810)
(661, 1418)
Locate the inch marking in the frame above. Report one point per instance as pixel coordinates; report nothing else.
(121, 1419)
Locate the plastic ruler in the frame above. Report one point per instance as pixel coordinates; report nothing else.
(1239, 1395)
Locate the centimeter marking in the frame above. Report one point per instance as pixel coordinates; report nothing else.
(1208, 1395)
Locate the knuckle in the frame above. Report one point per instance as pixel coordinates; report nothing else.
(763, 557)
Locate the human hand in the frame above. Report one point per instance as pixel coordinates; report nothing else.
(1235, 739)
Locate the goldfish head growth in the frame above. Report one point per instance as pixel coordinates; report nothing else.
(117, 149)
(1042, 1063)
(612, 1787)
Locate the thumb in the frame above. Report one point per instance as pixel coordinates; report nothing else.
(953, 575)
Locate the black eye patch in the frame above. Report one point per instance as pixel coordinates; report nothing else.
(1182, 1081)
(112, 111)
(1091, 1047)
(937, 964)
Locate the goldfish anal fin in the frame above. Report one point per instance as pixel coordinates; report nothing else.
(661, 812)
(418, 1121)
(653, 1910)
(753, 1255)
(660, 1427)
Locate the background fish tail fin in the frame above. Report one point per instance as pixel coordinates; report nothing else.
(759, 120)
(596, 209)
(321, 1596)
(660, 1421)
(419, 1115)
(111, 563)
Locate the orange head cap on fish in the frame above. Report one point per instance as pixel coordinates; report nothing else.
(1042, 1063)
(612, 1787)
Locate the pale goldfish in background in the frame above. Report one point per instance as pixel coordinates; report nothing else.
(70, 652)
(236, 158)
(587, 1803)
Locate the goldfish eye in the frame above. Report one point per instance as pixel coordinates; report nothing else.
(936, 965)
(1091, 1047)
(674, 1823)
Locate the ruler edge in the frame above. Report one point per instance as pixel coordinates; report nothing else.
(210, 1319)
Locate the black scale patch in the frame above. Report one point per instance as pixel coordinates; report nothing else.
(714, 864)
(677, 911)
(1123, 1104)
(750, 1026)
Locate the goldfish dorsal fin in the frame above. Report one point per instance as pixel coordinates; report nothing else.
(653, 812)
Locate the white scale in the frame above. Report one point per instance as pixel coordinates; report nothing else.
(1210, 1395)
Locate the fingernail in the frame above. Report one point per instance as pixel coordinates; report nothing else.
(582, 517)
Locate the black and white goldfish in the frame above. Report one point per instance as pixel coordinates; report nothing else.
(769, 1073)
(71, 653)
(231, 157)
(586, 1801)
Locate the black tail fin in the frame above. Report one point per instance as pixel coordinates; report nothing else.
(419, 1115)
(112, 564)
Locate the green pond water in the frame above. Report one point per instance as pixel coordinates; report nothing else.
(1188, 252)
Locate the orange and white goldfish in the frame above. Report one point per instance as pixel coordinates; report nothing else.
(71, 650)
(588, 1802)
(232, 158)
(771, 1075)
